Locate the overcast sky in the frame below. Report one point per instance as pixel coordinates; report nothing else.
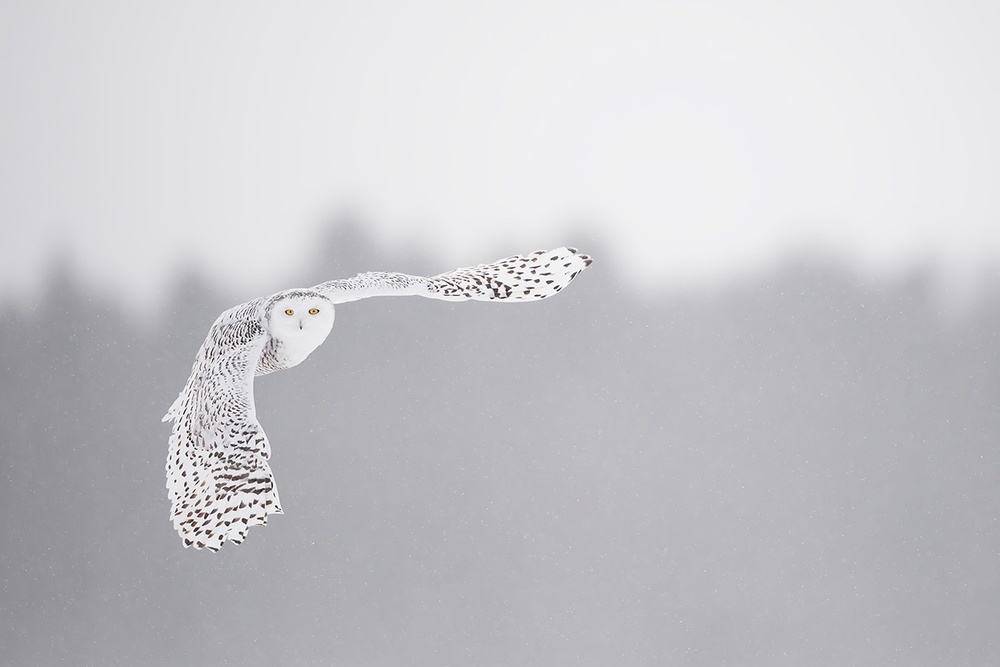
(700, 138)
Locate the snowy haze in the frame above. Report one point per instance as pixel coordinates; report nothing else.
(795, 467)
(705, 138)
(799, 470)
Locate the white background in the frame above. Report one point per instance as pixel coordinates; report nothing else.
(700, 139)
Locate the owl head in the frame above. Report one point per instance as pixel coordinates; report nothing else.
(302, 318)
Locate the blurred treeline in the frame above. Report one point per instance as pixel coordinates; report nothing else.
(797, 469)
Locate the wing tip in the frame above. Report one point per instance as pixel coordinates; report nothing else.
(231, 523)
(570, 250)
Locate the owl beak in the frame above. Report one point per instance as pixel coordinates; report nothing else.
(301, 323)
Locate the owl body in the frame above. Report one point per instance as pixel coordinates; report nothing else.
(218, 477)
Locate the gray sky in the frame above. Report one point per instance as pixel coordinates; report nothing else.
(700, 138)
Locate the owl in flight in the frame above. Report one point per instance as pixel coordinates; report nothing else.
(218, 478)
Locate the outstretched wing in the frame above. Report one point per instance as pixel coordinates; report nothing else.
(517, 278)
(218, 478)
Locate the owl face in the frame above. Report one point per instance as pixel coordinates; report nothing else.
(300, 320)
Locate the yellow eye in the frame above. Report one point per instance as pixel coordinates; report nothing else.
(313, 311)
(289, 311)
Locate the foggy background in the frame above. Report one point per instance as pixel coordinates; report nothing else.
(761, 429)
(796, 469)
(712, 139)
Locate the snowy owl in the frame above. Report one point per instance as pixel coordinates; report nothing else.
(218, 478)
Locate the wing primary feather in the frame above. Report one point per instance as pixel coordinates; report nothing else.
(218, 477)
(517, 278)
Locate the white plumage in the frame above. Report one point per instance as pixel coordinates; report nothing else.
(218, 477)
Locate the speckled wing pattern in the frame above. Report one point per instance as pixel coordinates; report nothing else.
(218, 478)
(516, 278)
